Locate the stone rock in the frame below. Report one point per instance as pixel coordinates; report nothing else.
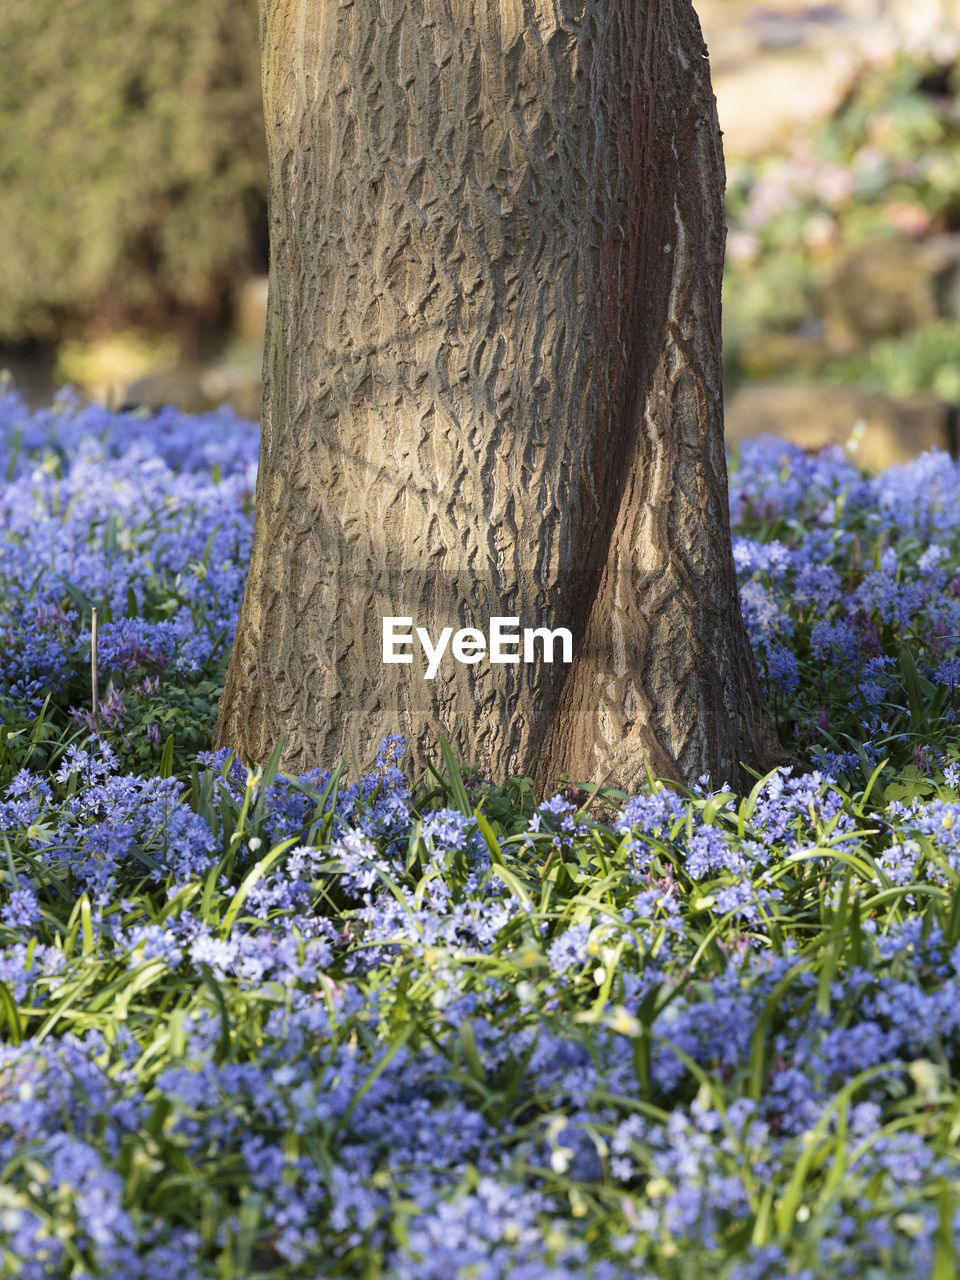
(888, 287)
(31, 375)
(181, 386)
(250, 311)
(198, 388)
(924, 22)
(765, 102)
(876, 430)
(101, 367)
(781, 66)
(236, 384)
(771, 353)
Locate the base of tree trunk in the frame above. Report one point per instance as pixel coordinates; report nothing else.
(493, 389)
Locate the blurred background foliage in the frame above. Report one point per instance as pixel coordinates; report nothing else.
(847, 240)
(133, 232)
(132, 165)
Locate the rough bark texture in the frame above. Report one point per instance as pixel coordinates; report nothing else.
(493, 388)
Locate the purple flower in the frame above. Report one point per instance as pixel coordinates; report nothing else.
(22, 911)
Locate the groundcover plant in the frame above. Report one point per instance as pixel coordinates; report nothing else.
(257, 1026)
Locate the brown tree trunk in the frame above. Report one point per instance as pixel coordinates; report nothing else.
(493, 388)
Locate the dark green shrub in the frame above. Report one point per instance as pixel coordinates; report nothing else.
(132, 160)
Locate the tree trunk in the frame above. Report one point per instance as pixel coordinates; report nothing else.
(492, 388)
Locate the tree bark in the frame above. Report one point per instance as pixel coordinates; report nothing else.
(492, 387)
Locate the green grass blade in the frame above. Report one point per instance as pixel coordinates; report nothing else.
(256, 872)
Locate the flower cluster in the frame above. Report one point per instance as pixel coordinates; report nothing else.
(149, 521)
(321, 1025)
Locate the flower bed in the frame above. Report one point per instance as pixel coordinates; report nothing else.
(256, 1026)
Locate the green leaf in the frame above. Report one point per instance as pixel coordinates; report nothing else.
(166, 759)
(818, 1147)
(952, 928)
(10, 1015)
(945, 1259)
(224, 1043)
(500, 868)
(457, 790)
(255, 873)
(915, 691)
(468, 1046)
